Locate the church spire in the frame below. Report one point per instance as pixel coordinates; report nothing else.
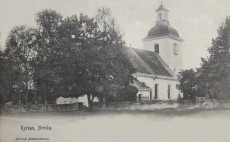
(162, 13)
(162, 8)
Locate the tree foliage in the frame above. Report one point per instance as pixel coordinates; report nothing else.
(219, 63)
(192, 84)
(187, 82)
(219, 59)
(213, 77)
(67, 57)
(17, 59)
(1, 77)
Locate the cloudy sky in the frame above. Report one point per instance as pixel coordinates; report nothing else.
(197, 21)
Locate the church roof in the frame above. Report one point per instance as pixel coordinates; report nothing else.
(162, 8)
(140, 85)
(162, 28)
(148, 62)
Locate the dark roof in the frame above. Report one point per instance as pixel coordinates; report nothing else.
(147, 62)
(136, 61)
(162, 8)
(162, 28)
(140, 86)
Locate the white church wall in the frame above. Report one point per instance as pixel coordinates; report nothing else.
(149, 83)
(162, 87)
(163, 51)
(145, 95)
(161, 15)
(146, 80)
(175, 60)
(166, 51)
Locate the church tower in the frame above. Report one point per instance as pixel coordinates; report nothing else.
(165, 41)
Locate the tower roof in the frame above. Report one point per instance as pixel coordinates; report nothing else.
(162, 8)
(162, 28)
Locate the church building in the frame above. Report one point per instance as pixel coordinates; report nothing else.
(159, 62)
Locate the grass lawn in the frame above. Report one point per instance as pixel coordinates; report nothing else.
(169, 125)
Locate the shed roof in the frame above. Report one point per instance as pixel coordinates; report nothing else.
(140, 85)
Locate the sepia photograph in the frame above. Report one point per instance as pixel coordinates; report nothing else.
(114, 71)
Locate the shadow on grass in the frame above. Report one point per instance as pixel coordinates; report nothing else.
(161, 112)
(169, 112)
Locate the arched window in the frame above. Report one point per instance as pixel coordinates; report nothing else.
(176, 49)
(169, 91)
(160, 16)
(156, 48)
(156, 91)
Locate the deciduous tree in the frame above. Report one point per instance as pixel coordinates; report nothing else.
(69, 57)
(18, 56)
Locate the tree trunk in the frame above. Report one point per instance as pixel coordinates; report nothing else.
(45, 96)
(55, 103)
(26, 84)
(26, 93)
(104, 101)
(90, 102)
(35, 99)
(19, 94)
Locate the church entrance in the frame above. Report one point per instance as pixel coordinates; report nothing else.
(139, 97)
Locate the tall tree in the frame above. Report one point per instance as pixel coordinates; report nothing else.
(48, 22)
(215, 71)
(69, 57)
(19, 53)
(110, 69)
(1, 77)
(100, 67)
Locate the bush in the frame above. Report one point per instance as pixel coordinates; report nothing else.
(125, 94)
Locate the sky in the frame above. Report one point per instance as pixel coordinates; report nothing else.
(196, 21)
